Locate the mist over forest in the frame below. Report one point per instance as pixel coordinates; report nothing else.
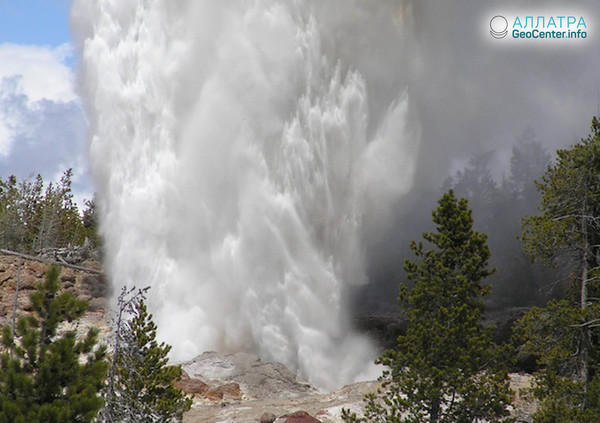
(498, 206)
(490, 121)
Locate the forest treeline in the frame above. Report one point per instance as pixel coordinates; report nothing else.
(446, 368)
(52, 374)
(498, 207)
(36, 215)
(498, 201)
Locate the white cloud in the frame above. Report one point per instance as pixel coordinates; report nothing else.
(43, 71)
(42, 123)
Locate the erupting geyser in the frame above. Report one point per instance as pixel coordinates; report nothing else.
(241, 150)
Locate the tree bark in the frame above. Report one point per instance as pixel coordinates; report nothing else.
(585, 331)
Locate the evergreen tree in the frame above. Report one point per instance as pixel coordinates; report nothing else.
(32, 199)
(90, 223)
(528, 162)
(498, 209)
(35, 215)
(553, 334)
(476, 183)
(564, 335)
(60, 223)
(140, 384)
(445, 369)
(12, 229)
(46, 376)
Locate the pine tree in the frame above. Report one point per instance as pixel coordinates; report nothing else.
(35, 215)
(90, 223)
(564, 335)
(553, 334)
(445, 368)
(12, 231)
(47, 376)
(140, 384)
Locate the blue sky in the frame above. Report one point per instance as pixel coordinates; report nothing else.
(43, 127)
(37, 22)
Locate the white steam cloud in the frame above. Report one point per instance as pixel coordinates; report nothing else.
(241, 150)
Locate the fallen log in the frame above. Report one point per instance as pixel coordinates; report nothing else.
(44, 260)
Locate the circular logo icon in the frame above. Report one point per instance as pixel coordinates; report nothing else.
(498, 26)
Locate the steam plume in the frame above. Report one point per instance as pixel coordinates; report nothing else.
(241, 149)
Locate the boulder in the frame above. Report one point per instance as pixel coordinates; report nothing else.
(298, 417)
(268, 418)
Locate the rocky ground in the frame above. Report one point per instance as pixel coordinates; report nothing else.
(89, 285)
(240, 388)
(232, 388)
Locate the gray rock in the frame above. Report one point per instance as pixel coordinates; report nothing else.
(256, 378)
(268, 418)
